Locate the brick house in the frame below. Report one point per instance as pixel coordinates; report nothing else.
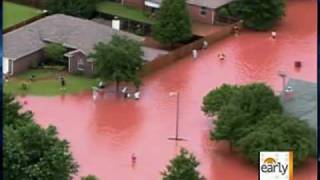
(24, 47)
(200, 10)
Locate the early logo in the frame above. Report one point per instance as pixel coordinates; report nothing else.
(276, 165)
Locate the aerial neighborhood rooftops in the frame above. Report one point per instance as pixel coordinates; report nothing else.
(26, 43)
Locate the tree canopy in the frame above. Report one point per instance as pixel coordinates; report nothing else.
(258, 14)
(240, 108)
(119, 61)
(217, 98)
(251, 118)
(30, 151)
(280, 133)
(183, 166)
(78, 8)
(173, 23)
(11, 115)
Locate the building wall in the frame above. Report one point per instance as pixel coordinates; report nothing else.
(24, 63)
(134, 3)
(196, 16)
(73, 64)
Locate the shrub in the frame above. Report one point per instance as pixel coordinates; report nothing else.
(54, 53)
(89, 177)
(24, 86)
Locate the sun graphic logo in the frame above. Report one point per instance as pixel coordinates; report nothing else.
(276, 166)
(270, 161)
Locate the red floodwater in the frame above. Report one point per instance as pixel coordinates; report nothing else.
(104, 134)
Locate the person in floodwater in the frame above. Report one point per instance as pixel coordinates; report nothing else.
(194, 54)
(101, 85)
(221, 56)
(236, 30)
(136, 95)
(273, 34)
(133, 159)
(205, 44)
(125, 92)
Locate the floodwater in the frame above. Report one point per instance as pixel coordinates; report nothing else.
(104, 133)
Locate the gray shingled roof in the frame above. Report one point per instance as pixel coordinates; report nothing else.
(75, 32)
(213, 4)
(304, 102)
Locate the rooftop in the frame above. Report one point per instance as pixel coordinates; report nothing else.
(304, 102)
(73, 32)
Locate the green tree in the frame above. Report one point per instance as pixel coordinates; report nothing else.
(258, 14)
(217, 98)
(119, 61)
(89, 177)
(172, 24)
(279, 133)
(78, 8)
(256, 99)
(229, 125)
(55, 52)
(32, 152)
(11, 115)
(183, 167)
(248, 105)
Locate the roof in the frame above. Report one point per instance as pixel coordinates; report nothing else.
(213, 4)
(304, 102)
(71, 31)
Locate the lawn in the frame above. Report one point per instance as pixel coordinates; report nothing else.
(116, 9)
(15, 13)
(47, 83)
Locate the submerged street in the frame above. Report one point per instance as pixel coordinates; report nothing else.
(103, 134)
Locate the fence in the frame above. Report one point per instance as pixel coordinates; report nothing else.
(177, 54)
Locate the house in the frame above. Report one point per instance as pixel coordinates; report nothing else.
(200, 10)
(24, 47)
(303, 103)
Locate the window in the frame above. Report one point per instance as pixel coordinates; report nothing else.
(80, 64)
(203, 11)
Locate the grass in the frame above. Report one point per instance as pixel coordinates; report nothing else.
(15, 13)
(47, 83)
(116, 9)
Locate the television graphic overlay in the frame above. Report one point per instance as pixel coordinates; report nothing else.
(276, 165)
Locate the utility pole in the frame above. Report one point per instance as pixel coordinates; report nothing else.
(177, 94)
